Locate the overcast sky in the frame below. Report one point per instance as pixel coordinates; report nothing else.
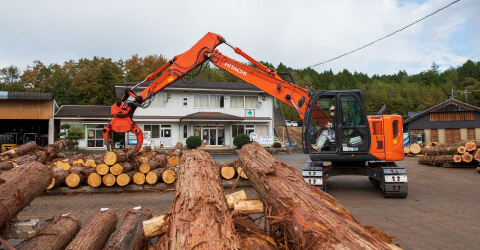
(296, 33)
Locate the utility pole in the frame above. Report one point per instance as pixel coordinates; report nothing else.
(466, 97)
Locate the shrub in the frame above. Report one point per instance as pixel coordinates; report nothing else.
(277, 145)
(194, 142)
(240, 140)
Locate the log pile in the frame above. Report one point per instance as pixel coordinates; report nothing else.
(462, 155)
(296, 214)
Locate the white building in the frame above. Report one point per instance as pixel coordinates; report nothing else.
(214, 111)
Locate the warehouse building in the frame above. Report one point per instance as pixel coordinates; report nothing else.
(448, 122)
(25, 117)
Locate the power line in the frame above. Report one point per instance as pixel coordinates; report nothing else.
(391, 34)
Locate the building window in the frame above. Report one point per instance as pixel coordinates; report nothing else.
(242, 129)
(185, 101)
(208, 101)
(160, 100)
(94, 136)
(249, 102)
(185, 131)
(154, 130)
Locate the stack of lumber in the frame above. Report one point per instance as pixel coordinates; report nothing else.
(463, 154)
(117, 167)
(297, 215)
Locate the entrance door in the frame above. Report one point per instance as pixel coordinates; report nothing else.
(209, 136)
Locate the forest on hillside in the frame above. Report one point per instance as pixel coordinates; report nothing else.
(91, 81)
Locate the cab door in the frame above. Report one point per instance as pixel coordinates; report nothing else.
(353, 131)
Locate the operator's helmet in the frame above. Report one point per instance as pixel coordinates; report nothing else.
(332, 108)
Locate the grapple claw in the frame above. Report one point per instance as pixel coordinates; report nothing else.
(122, 124)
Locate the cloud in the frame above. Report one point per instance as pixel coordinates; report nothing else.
(296, 33)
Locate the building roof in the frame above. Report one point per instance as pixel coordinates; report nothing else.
(119, 87)
(450, 105)
(217, 116)
(83, 111)
(26, 95)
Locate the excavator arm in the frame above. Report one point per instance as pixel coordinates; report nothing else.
(204, 50)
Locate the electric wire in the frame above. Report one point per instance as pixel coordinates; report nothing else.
(391, 34)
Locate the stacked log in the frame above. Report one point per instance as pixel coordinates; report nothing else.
(30, 152)
(461, 155)
(18, 151)
(130, 234)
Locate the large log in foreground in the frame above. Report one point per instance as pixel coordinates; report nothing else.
(19, 186)
(199, 216)
(96, 232)
(308, 217)
(56, 234)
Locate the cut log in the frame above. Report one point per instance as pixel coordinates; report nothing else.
(156, 162)
(68, 162)
(112, 157)
(226, 171)
(94, 180)
(199, 197)
(96, 233)
(308, 217)
(124, 179)
(458, 165)
(59, 176)
(467, 157)
(145, 149)
(154, 227)
(168, 176)
(39, 156)
(78, 175)
(415, 148)
(19, 186)
(102, 169)
(109, 180)
(94, 160)
(234, 197)
(139, 178)
(440, 150)
(470, 146)
(52, 150)
(147, 156)
(122, 167)
(176, 151)
(248, 207)
(476, 156)
(18, 151)
(461, 150)
(406, 149)
(457, 158)
(130, 234)
(56, 234)
(252, 237)
(426, 159)
(151, 178)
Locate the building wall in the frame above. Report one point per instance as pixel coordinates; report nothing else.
(424, 123)
(27, 109)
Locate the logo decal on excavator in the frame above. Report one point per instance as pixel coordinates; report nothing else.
(240, 71)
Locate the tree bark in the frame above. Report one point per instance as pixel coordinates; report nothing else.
(199, 216)
(56, 234)
(18, 151)
(53, 149)
(130, 234)
(19, 186)
(252, 237)
(440, 150)
(96, 233)
(94, 160)
(39, 156)
(308, 217)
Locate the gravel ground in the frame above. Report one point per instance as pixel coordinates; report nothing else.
(442, 210)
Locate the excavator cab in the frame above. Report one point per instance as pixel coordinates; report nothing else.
(336, 125)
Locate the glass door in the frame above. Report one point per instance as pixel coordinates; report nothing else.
(209, 136)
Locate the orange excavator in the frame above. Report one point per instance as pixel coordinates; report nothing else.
(338, 136)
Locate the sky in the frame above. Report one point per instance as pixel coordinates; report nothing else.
(297, 33)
